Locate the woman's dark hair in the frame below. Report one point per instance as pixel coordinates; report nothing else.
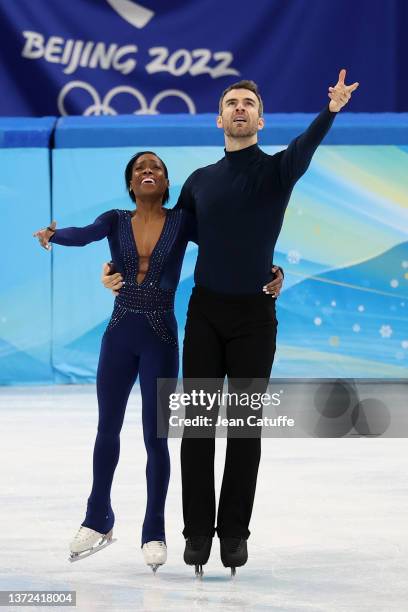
(128, 174)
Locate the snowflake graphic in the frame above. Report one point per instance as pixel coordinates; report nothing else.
(356, 328)
(385, 331)
(361, 308)
(317, 321)
(333, 303)
(293, 257)
(404, 344)
(404, 263)
(394, 283)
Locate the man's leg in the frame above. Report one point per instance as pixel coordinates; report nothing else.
(249, 355)
(202, 358)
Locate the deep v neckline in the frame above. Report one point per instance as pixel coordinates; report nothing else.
(153, 251)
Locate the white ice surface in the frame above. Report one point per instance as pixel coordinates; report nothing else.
(329, 527)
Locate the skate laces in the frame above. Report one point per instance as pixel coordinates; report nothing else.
(196, 542)
(84, 533)
(232, 544)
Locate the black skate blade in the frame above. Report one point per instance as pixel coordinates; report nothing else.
(233, 572)
(80, 556)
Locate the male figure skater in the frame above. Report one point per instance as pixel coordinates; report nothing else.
(239, 203)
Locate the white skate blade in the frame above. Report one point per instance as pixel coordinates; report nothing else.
(78, 556)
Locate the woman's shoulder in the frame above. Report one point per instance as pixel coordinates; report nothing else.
(116, 213)
(183, 217)
(186, 222)
(121, 211)
(109, 214)
(182, 213)
(111, 218)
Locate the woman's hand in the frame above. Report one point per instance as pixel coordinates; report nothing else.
(45, 234)
(274, 287)
(114, 282)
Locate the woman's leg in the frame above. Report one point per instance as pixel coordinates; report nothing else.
(116, 375)
(158, 360)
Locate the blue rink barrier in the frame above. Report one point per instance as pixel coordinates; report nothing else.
(25, 302)
(343, 246)
(200, 130)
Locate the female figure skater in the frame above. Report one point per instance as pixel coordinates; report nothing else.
(147, 248)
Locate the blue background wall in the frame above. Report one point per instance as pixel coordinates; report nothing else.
(344, 244)
(25, 295)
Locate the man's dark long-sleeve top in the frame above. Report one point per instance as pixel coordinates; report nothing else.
(239, 203)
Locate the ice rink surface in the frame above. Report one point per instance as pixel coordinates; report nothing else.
(329, 531)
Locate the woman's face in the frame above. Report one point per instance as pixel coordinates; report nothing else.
(148, 177)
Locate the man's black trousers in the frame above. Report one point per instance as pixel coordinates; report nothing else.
(233, 336)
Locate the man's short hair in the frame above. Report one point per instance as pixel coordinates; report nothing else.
(251, 85)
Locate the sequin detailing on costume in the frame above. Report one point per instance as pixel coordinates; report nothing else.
(117, 314)
(158, 325)
(146, 297)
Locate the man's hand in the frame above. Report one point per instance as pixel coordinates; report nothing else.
(114, 282)
(274, 287)
(45, 234)
(340, 94)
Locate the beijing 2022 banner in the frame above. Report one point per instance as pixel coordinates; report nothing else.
(108, 57)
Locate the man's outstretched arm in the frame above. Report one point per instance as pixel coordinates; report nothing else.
(295, 160)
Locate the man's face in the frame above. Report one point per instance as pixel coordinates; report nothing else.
(240, 114)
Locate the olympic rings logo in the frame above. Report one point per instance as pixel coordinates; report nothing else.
(104, 107)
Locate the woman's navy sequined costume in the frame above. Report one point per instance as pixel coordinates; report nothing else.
(141, 339)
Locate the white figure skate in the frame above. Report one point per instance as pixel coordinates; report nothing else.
(87, 542)
(155, 554)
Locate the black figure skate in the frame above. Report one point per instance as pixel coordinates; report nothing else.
(234, 552)
(197, 552)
